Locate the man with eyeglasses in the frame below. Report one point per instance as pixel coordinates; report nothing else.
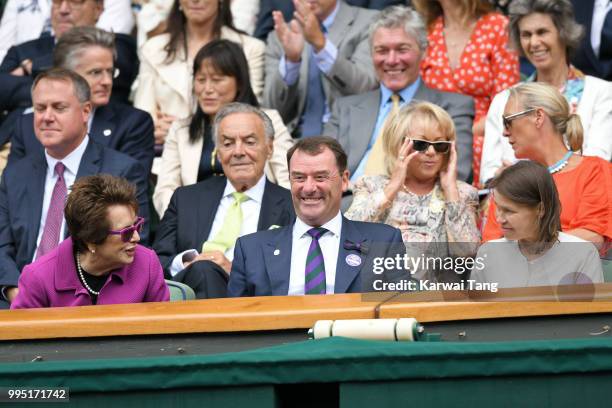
(196, 236)
(33, 190)
(90, 52)
(24, 61)
(322, 252)
(398, 41)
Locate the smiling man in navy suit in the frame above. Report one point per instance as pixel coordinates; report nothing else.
(89, 52)
(322, 252)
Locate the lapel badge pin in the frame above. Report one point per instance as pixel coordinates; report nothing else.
(276, 252)
(353, 260)
(107, 132)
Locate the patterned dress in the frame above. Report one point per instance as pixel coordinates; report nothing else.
(425, 221)
(486, 67)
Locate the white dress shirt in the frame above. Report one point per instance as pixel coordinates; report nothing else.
(600, 10)
(71, 162)
(250, 218)
(330, 246)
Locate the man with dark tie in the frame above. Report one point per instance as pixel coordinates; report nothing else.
(196, 237)
(594, 56)
(24, 61)
(398, 40)
(33, 189)
(318, 56)
(90, 52)
(321, 252)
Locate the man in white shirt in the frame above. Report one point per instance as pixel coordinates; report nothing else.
(33, 189)
(322, 252)
(196, 236)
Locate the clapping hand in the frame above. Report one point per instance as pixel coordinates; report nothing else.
(304, 27)
(448, 176)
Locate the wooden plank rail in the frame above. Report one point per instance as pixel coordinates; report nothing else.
(295, 312)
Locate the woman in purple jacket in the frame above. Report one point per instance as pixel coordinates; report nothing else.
(102, 262)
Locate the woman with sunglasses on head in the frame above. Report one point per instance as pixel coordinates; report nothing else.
(539, 126)
(101, 262)
(546, 33)
(420, 193)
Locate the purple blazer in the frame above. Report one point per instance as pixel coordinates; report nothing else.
(52, 281)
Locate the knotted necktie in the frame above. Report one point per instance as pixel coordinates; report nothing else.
(605, 47)
(376, 161)
(55, 214)
(315, 265)
(230, 231)
(312, 118)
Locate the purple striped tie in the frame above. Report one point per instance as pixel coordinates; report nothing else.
(315, 265)
(55, 214)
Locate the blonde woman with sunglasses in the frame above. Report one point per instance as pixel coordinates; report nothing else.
(420, 193)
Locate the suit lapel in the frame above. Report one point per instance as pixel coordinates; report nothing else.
(207, 203)
(270, 207)
(347, 273)
(362, 118)
(177, 76)
(103, 127)
(90, 162)
(277, 259)
(342, 23)
(35, 188)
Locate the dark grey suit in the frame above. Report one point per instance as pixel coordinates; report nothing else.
(352, 73)
(354, 117)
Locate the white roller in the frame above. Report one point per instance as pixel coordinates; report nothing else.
(372, 329)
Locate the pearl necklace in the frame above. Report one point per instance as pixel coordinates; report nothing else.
(560, 164)
(89, 289)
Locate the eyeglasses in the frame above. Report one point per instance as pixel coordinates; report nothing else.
(128, 232)
(422, 145)
(508, 119)
(72, 3)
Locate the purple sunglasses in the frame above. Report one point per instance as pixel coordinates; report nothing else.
(128, 232)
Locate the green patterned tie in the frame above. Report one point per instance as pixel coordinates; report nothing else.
(230, 231)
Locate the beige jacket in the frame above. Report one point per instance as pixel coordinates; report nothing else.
(169, 87)
(180, 160)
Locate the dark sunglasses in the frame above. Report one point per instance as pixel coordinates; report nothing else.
(508, 119)
(422, 145)
(128, 232)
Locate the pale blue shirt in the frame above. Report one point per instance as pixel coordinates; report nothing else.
(325, 59)
(384, 108)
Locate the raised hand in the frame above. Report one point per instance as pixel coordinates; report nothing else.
(162, 125)
(448, 176)
(290, 36)
(398, 175)
(310, 24)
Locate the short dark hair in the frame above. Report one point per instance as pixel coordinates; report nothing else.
(86, 210)
(529, 183)
(315, 145)
(80, 85)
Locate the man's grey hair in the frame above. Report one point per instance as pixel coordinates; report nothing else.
(80, 85)
(239, 107)
(70, 46)
(401, 17)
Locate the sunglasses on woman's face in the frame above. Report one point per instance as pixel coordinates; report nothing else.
(128, 232)
(508, 119)
(422, 145)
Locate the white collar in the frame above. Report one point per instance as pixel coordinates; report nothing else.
(254, 193)
(334, 226)
(72, 160)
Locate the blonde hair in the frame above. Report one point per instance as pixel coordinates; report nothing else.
(399, 125)
(553, 103)
(430, 10)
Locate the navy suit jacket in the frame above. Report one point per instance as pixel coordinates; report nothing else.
(118, 126)
(188, 220)
(15, 90)
(585, 58)
(21, 197)
(262, 261)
